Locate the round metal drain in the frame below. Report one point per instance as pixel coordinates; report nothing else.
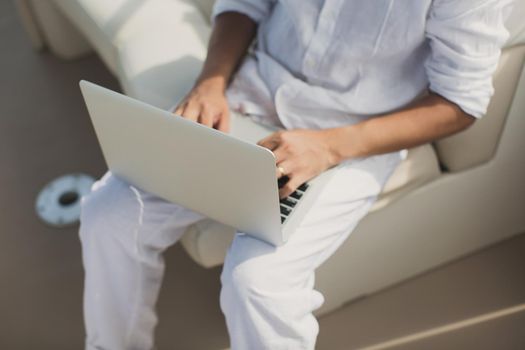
(58, 204)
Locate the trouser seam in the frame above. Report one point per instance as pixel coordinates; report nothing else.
(138, 290)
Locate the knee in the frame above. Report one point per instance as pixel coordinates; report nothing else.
(104, 206)
(240, 284)
(251, 268)
(242, 279)
(90, 207)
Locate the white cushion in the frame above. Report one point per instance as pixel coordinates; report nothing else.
(94, 18)
(47, 27)
(420, 166)
(161, 60)
(516, 25)
(478, 144)
(206, 7)
(110, 25)
(207, 241)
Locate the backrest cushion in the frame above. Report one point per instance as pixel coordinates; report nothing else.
(206, 7)
(478, 144)
(516, 24)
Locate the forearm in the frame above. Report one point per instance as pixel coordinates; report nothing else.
(231, 37)
(431, 118)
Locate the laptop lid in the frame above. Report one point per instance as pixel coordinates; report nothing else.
(200, 168)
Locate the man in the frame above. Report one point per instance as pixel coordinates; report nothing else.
(353, 83)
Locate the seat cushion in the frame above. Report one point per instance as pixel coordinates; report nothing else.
(110, 25)
(420, 166)
(207, 241)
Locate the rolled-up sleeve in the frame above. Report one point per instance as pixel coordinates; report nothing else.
(466, 37)
(255, 9)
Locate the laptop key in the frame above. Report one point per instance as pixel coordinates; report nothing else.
(303, 187)
(285, 211)
(282, 219)
(289, 202)
(282, 181)
(296, 195)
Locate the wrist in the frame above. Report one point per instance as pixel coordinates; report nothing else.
(343, 143)
(216, 83)
(330, 139)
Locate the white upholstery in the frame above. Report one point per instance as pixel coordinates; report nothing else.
(516, 24)
(159, 63)
(92, 17)
(420, 166)
(155, 47)
(49, 29)
(205, 6)
(478, 144)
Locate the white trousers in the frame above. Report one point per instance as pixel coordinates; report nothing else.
(267, 294)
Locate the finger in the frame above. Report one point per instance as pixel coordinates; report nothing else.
(280, 154)
(191, 112)
(179, 109)
(284, 168)
(223, 124)
(290, 186)
(271, 142)
(279, 172)
(206, 118)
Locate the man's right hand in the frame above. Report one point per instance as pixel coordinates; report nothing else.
(206, 104)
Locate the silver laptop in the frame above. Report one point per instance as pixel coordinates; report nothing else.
(226, 177)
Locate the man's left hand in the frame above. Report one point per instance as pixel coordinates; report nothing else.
(300, 154)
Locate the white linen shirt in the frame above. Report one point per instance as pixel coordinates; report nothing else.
(327, 63)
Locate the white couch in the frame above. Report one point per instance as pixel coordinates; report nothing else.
(444, 201)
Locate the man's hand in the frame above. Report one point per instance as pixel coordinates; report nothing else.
(300, 155)
(207, 105)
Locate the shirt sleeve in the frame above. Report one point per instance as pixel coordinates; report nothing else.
(466, 37)
(257, 10)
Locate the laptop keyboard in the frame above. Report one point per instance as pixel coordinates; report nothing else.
(288, 204)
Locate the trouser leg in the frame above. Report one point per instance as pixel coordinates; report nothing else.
(123, 233)
(268, 293)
